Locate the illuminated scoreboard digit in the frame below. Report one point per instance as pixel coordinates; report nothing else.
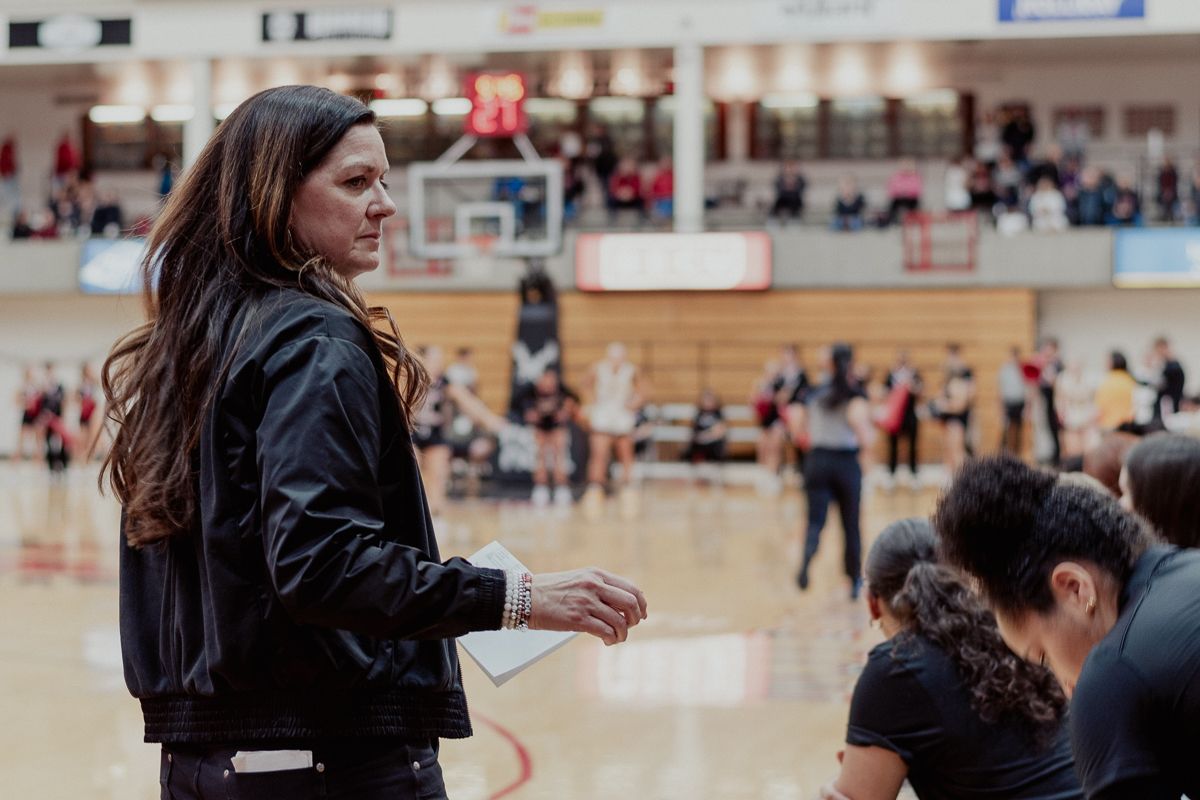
(497, 104)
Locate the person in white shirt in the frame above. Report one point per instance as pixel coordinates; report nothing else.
(1048, 207)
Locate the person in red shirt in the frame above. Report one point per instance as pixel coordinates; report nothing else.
(9, 191)
(66, 159)
(625, 190)
(662, 190)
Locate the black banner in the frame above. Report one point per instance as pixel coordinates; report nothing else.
(70, 33)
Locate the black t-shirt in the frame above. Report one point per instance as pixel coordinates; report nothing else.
(706, 420)
(548, 406)
(911, 699)
(795, 385)
(1135, 713)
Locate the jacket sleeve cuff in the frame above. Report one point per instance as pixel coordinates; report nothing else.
(489, 604)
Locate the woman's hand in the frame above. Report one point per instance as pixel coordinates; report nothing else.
(587, 601)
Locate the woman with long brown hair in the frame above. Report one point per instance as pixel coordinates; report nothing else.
(285, 619)
(943, 703)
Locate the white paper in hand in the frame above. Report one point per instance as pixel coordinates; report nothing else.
(504, 654)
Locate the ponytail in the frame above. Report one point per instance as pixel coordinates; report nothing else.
(934, 602)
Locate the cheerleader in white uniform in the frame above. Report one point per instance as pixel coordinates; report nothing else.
(613, 417)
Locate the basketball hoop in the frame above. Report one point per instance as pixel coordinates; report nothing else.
(482, 245)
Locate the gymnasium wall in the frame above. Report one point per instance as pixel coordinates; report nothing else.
(1091, 322)
(684, 341)
(687, 341)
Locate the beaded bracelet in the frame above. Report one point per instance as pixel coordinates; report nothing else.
(518, 601)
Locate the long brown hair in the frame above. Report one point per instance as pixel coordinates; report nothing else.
(933, 601)
(221, 244)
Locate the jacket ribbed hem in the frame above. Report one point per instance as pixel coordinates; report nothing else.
(316, 714)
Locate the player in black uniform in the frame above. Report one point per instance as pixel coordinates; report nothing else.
(709, 432)
(548, 407)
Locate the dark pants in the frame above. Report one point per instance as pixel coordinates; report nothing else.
(1053, 426)
(790, 203)
(834, 475)
(907, 431)
(363, 770)
(1014, 423)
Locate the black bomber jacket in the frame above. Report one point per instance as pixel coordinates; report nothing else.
(310, 602)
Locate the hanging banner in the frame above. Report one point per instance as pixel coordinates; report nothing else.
(1070, 10)
(70, 32)
(327, 24)
(810, 19)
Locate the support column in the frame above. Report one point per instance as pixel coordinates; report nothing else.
(198, 129)
(689, 138)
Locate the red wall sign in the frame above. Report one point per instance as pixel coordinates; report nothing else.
(497, 104)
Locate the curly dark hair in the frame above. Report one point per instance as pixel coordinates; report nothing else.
(1008, 525)
(933, 601)
(1164, 476)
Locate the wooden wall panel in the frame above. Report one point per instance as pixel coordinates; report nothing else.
(685, 341)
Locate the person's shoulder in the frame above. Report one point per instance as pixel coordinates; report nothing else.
(286, 318)
(291, 315)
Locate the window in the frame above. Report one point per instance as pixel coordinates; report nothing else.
(1140, 120)
(1092, 116)
(118, 145)
(406, 138)
(625, 119)
(664, 128)
(549, 119)
(930, 125)
(787, 126)
(858, 128)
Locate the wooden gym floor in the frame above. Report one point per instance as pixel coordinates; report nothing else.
(736, 687)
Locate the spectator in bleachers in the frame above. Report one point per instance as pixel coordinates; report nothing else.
(1126, 206)
(1018, 134)
(1008, 180)
(10, 192)
(849, 207)
(709, 431)
(1167, 195)
(1091, 204)
(1073, 135)
(603, 154)
(1047, 207)
(957, 193)
(66, 161)
(1068, 177)
(904, 190)
(987, 141)
(790, 185)
(107, 219)
(1045, 167)
(662, 190)
(21, 228)
(625, 190)
(983, 192)
(573, 186)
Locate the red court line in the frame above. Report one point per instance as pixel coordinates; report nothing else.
(523, 759)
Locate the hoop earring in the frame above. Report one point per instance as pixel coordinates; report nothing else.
(876, 622)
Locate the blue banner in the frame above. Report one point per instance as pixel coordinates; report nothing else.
(1146, 257)
(1069, 10)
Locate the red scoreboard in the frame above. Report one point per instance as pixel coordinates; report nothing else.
(497, 104)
